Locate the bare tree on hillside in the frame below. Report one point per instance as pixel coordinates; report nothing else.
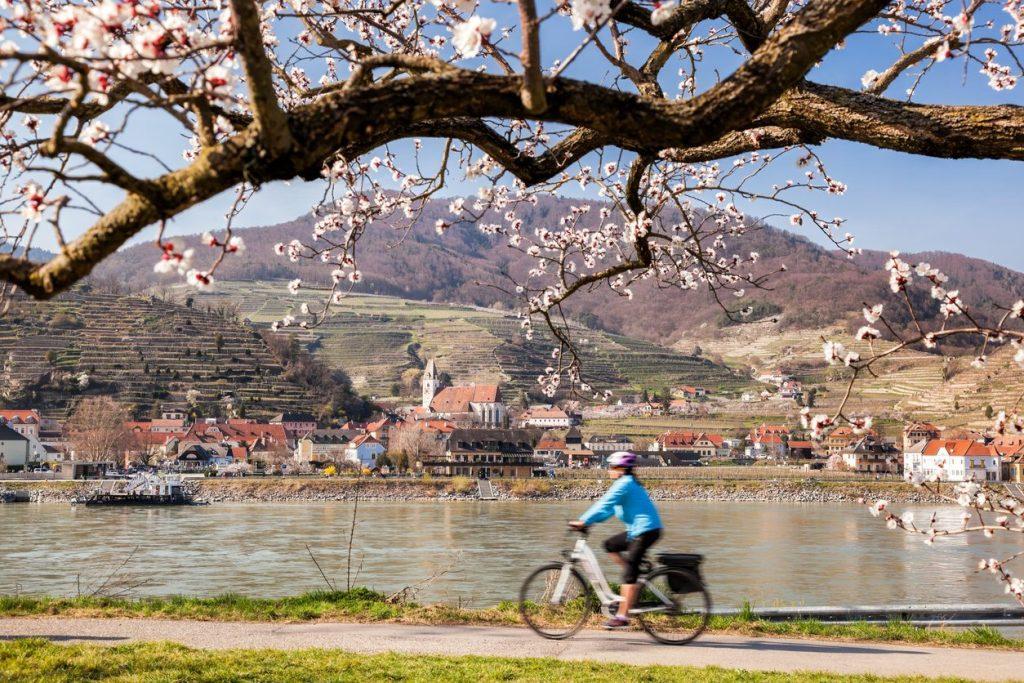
(96, 429)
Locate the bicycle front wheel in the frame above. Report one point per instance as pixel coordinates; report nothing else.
(555, 601)
(674, 606)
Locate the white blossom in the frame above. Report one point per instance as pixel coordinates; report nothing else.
(869, 78)
(588, 12)
(468, 37)
(662, 12)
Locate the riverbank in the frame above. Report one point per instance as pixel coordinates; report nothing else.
(361, 605)
(302, 489)
(38, 659)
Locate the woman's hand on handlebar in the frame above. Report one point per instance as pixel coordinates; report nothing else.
(579, 526)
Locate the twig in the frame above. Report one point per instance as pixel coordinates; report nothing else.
(351, 536)
(412, 590)
(329, 583)
(113, 573)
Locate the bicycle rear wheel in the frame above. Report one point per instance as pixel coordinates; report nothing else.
(555, 601)
(674, 606)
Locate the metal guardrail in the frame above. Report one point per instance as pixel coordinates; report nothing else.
(31, 476)
(920, 615)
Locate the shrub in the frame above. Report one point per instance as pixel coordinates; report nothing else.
(461, 484)
(530, 487)
(65, 321)
(759, 310)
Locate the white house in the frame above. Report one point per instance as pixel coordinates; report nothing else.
(548, 417)
(14, 448)
(28, 423)
(956, 460)
(364, 451)
(325, 445)
(604, 445)
(25, 422)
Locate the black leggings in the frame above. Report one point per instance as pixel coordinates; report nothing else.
(632, 550)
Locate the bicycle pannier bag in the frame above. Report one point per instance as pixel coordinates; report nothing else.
(686, 561)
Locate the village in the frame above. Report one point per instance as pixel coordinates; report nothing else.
(469, 430)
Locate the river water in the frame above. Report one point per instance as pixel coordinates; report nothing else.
(771, 554)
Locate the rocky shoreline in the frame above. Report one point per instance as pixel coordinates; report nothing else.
(276, 490)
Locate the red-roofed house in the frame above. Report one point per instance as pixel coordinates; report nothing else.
(549, 449)
(25, 422)
(380, 429)
(791, 389)
(953, 460)
(691, 393)
(1013, 466)
(253, 435)
(768, 441)
(30, 425)
(843, 438)
(705, 444)
(679, 406)
(1011, 451)
(869, 455)
(919, 431)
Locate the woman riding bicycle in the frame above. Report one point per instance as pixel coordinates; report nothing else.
(629, 502)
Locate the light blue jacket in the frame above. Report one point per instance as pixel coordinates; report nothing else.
(629, 502)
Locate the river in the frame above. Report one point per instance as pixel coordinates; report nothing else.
(771, 554)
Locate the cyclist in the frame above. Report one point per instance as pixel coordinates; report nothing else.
(629, 502)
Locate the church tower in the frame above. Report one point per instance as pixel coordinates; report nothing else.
(431, 383)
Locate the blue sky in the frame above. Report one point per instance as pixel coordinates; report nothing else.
(894, 200)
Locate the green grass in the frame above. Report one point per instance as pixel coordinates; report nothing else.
(364, 605)
(40, 660)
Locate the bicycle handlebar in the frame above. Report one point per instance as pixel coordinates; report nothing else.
(581, 531)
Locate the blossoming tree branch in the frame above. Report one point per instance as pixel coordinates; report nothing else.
(327, 91)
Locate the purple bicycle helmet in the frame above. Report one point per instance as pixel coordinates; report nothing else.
(623, 459)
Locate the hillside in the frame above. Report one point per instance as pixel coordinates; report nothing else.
(819, 288)
(377, 339)
(141, 350)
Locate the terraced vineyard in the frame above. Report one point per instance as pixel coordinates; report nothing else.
(144, 351)
(375, 339)
(911, 385)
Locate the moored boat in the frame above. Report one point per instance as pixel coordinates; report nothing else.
(142, 489)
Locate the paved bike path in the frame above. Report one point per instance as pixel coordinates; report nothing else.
(761, 654)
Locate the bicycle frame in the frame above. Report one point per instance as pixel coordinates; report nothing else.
(583, 557)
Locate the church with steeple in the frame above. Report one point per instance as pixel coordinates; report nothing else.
(471, 405)
(431, 383)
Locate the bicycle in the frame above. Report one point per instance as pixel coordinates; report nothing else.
(673, 604)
